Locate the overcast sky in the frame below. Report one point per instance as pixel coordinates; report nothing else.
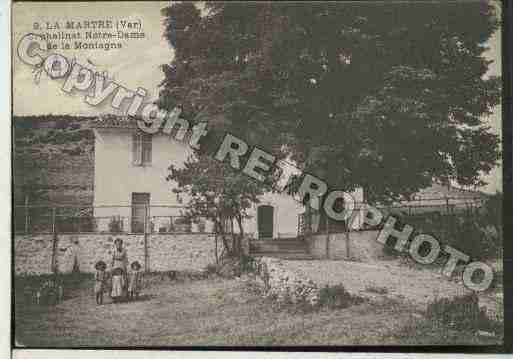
(135, 65)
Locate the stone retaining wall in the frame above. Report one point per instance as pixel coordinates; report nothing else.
(33, 253)
(363, 246)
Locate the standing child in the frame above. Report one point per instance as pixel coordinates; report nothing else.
(135, 281)
(100, 278)
(119, 271)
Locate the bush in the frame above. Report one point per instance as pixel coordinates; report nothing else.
(211, 268)
(183, 224)
(473, 239)
(283, 287)
(288, 289)
(51, 287)
(337, 296)
(376, 289)
(229, 268)
(461, 312)
(248, 264)
(116, 225)
(470, 233)
(201, 225)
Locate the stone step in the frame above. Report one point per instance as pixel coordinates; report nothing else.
(289, 249)
(283, 251)
(281, 255)
(274, 248)
(278, 240)
(278, 245)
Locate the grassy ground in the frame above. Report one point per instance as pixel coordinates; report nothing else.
(220, 312)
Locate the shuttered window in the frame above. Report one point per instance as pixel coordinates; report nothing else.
(141, 149)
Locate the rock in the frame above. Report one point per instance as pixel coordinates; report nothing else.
(485, 334)
(285, 285)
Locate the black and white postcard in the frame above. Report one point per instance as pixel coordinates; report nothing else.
(258, 174)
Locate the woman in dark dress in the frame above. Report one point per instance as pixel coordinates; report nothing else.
(119, 270)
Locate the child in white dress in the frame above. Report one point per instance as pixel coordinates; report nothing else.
(135, 281)
(119, 271)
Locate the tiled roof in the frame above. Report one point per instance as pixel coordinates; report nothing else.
(114, 121)
(437, 190)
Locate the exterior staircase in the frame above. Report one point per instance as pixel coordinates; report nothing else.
(290, 249)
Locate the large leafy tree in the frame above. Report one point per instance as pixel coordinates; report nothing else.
(219, 193)
(386, 96)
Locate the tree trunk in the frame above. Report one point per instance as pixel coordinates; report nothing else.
(241, 234)
(239, 244)
(220, 231)
(234, 238)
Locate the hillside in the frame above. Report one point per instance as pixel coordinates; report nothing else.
(53, 160)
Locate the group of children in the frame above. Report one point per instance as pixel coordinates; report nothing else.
(130, 282)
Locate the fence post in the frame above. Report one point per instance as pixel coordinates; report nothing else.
(327, 238)
(26, 215)
(348, 245)
(53, 264)
(308, 220)
(53, 219)
(217, 258)
(146, 264)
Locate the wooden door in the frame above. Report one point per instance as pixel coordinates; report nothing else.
(140, 209)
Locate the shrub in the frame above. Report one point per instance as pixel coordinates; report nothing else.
(337, 297)
(292, 290)
(468, 232)
(183, 224)
(461, 312)
(52, 288)
(116, 224)
(50, 292)
(376, 289)
(229, 268)
(212, 268)
(248, 263)
(283, 287)
(201, 225)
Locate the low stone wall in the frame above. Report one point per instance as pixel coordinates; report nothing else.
(284, 285)
(362, 246)
(33, 253)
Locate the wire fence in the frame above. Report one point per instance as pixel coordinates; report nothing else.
(445, 210)
(156, 219)
(106, 219)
